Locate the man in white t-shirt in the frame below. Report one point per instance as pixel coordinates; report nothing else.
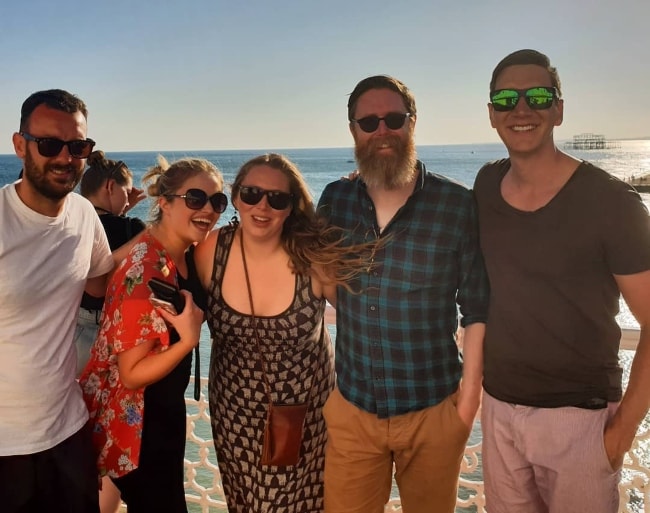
(52, 247)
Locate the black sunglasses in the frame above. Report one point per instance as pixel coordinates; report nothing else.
(278, 200)
(393, 120)
(51, 147)
(196, 199)
(537, 98)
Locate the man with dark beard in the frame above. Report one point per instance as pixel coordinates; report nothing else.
(52, 246)
(404, 396)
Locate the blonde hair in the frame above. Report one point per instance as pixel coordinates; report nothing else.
(165, 179)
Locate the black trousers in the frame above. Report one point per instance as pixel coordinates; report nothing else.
(62, 479)
(157, 485)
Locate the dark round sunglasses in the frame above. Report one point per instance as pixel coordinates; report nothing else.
(393, 121)
(51, 147)
(278, 200)
(196, 199)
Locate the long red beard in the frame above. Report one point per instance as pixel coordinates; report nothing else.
(387, 171)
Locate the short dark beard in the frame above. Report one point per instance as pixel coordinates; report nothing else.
(389, 172)
(37, 177)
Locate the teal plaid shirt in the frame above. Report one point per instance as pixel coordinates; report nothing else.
(395, 344)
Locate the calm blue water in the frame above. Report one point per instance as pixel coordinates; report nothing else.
(323, 165)
(319, 166)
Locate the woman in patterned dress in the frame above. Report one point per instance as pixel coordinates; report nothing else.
(134, 383)
(294, 263)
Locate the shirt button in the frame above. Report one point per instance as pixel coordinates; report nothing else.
(373, 308)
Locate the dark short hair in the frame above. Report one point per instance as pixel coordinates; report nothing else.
(381, 82)
(523, 57)
(57, 99)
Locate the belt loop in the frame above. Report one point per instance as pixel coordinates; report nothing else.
(98, 314)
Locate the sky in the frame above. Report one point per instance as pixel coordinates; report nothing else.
(251, 74)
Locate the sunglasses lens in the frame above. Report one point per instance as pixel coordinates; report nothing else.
(80, 149)
(279, 200)
(251, 195)
(195, 199)
(395, 121)
(50, 147)
(219, 202)
(539, 98)
(504, 99)
(368, 124)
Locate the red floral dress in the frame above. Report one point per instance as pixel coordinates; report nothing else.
(128, 319)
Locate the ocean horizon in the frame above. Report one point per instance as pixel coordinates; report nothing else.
(320, 166)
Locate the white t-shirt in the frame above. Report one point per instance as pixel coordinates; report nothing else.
(44, 264)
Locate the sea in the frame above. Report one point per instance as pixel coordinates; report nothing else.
(319, 166)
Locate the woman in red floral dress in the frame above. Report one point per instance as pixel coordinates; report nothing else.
(135, 380)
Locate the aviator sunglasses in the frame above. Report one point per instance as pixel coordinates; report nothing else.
(277, 200)
(537, 98)
(51, 147)
(393, 120)
(196, 199)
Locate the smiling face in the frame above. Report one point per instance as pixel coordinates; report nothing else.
(261, 220)
(386, 158)
(525, 131)
(47, 180)
(188, 224)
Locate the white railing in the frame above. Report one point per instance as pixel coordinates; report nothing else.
(203, 484)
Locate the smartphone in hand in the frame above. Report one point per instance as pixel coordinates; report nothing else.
(167, 296)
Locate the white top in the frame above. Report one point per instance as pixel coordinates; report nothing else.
(44, 264)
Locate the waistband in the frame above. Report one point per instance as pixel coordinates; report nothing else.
(89, 315)
(595, 403)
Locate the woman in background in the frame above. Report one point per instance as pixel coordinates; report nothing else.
(268, 278)
(139, 368)
(108, 185)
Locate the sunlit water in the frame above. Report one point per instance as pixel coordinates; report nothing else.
(321, 166)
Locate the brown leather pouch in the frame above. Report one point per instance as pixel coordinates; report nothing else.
(283, 434)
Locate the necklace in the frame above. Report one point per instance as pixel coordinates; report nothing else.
(101, 210)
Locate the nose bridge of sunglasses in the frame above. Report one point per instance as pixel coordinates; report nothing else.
(73, 149)
(65, 151)
(382, 125)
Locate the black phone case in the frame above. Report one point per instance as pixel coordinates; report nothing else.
(167, 292)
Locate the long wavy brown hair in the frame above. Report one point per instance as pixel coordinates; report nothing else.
(306, 237)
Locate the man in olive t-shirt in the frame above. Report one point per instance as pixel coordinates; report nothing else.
(562, 239)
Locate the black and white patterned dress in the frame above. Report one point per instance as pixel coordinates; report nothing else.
(300, 367)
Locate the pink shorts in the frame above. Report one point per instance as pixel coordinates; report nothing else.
(546, 460)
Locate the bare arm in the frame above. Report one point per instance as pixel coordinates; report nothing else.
(469, 396)
(138, 368)
(96, 286)
(135, 196)
(621, 430)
